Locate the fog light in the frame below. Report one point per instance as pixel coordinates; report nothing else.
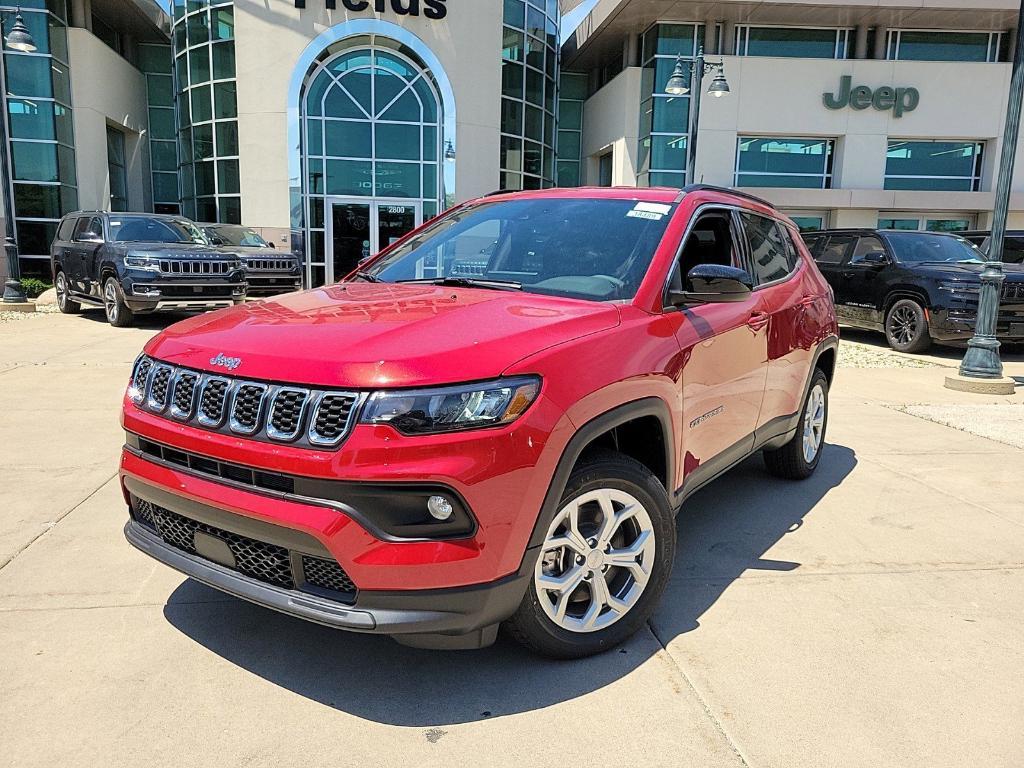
(440, 508)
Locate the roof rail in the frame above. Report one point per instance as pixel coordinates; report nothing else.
(727, 190)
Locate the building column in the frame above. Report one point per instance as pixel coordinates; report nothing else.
(728, 38)
(711, 36)
(79, 17)
(881, 42)
(631, 51)
(860, 45)
(1011, 50)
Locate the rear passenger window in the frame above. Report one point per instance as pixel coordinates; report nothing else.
(67, 227)
(772, 254)
(835, 249)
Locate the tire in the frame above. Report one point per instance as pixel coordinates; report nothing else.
(570, 623)
(64, 302)
(119, 314)
(798, 458)
(906, 327)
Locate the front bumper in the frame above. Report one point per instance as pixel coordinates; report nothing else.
(148, 292)
(271, 284)
(956, 324)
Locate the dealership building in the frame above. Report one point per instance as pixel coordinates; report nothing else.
(335, 126)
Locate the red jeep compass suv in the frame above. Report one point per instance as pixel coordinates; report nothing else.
(493, 421)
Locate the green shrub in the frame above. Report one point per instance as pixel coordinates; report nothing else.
(33, 287)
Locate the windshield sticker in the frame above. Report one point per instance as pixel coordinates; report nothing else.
(653, 208)
(650, 215)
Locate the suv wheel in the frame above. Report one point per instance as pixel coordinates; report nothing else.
(64, 302)
(604, 563)
(798, 458)
(906, 327)
(118, 313)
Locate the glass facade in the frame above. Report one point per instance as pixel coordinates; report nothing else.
(794, 42)
(935, 45)
(665, 119)
(572, 92)
(116, 171)
(934, 165)
(204, 67)
(529, 93)
(931, 223)
(42, 142)
(776, 162)
(155, 63)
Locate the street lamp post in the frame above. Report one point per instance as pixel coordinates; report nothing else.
(677, 86)
(981, 362)
(19, 39)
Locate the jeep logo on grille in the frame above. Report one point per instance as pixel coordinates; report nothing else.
(222, 361)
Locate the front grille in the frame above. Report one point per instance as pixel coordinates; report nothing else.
(197, 266)
(211, 407)
(247, 408)
(144, 512)
(269, 481)
(1013, 291)
(268, 265)
(326, 574)
(333, 414)
(470, 268)
(286, 413)
(264, 562)
(266, 412)
(183, 402)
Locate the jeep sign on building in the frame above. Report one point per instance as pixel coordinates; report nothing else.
(335, 126)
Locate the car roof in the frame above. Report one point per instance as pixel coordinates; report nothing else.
(875, 231)
(168, 216)
(641, 194)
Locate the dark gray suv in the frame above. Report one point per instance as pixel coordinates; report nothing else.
(268, 271)
(135, 263)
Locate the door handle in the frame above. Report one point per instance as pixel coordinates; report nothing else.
(758, 320)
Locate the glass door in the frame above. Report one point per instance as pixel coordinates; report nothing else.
(359, 228)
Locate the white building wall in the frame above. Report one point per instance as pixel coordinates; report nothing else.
(608, 126)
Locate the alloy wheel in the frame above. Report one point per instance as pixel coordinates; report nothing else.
(596, 560)
(60, 287)
(814, 423)
(110, 300)
(903, 324)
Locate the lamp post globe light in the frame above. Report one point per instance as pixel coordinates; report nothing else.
(679, 85)
(982, 370)
(19, 39)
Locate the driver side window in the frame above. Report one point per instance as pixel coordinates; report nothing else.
(89, 228)
(865, 246)
(711, 241)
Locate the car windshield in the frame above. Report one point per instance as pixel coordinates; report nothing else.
(931, 247)
(595, 249)
(240, 237)
(149, 229)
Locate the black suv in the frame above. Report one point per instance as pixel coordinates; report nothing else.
(267, 271)
(916, 287)
(133, 263)
(1013, 243)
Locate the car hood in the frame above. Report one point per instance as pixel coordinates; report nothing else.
(1013, 272)
(176, 250)
(363, 335)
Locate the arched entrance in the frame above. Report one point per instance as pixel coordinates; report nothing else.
(371, 122)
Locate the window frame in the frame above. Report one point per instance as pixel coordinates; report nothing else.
(827, 177)
(893, 40)
(975, 178)
(844, 36)
(792, 253)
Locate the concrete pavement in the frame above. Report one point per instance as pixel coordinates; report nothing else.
(870, 616)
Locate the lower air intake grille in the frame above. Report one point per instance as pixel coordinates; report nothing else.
(326, 574)
(144, 512)
(264, 562)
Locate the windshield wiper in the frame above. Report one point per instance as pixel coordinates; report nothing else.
(468, 282)
(360, 275)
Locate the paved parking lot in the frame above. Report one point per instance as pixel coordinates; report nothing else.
(872, 616)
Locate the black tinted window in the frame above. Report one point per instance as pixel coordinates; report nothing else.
(835, 249)
(865, 246)
(814, 243)
(772, 257)
(67, 227)
(931, 247)
(89, 228)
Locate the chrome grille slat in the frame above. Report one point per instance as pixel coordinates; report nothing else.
(268, 265)
(276, 413)
(197, 266)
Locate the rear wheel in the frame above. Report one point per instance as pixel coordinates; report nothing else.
(798, 458)
(119, 314)
(63, 291)
(906, 327)
(604, 563)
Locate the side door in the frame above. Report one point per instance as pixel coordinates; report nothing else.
(864, 280)
(724, 351)
(62, 249)
(775, 266)
(831, 256)
(88, 241)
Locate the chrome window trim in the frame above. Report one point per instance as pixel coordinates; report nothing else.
(283, 437)
(233, 423)
(313, 436)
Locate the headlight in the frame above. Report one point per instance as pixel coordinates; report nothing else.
(961, 287)
(142, 262)
(450, 409)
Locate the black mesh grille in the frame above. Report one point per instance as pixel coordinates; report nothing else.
(184, 394)
(326, 574)
(286, 414)
(332, 416)
(264, 562)
(1013, 291)
(144, 512)
(246, 411)
(141, 373)
(158, 389)
(214, 395)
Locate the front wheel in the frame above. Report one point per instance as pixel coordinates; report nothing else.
(64, 301)
(118, 312)
(604, 563)
(906, 327)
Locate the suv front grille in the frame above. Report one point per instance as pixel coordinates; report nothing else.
(265, 412)
(1013, 291)
(268, 265)
(197, 266)
(263, 561)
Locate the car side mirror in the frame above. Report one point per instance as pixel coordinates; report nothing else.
(216, 241)
(875, 259)
(712, 284)
(271, 244)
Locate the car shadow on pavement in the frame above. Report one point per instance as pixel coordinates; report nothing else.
(156, 321)
(724, 531)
